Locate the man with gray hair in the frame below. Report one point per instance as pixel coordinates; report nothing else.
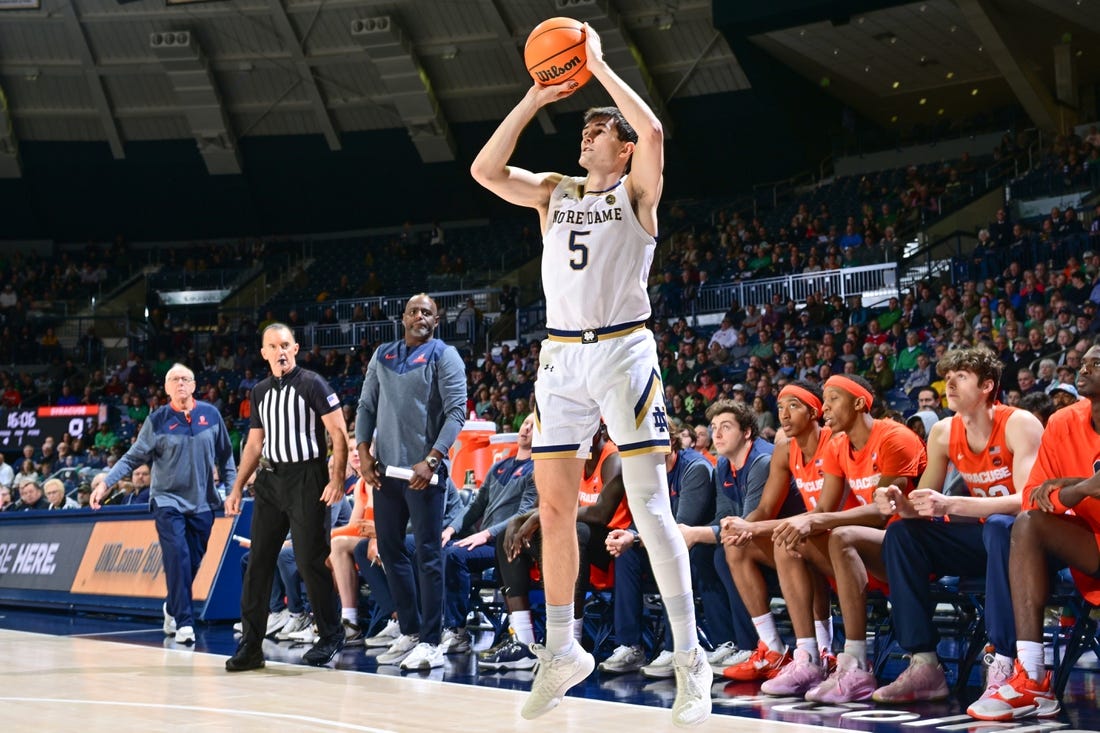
(187, 444)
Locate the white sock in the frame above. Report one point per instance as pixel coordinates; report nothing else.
(1030, 654)
(559, 628)
(925, 658)
(646, 483)
(857, 649)
(351, 614)
(522, 626)
(767, 631)
(823, 630)
(809, 645)
(578, 629)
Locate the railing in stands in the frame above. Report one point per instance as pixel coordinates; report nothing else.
(844, 282)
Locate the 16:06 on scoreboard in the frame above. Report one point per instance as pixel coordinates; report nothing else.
(19, 427)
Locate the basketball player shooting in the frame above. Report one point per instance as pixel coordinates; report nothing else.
(599, 234)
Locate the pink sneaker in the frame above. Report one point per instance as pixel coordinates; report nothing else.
(794, 679)
(848, 683)
(919, 682)
(1018, 697)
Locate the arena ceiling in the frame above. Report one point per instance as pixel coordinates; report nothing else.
(217, 72)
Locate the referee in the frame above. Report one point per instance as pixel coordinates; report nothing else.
(291, 410)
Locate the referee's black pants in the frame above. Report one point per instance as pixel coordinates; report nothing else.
(289, 497)
(395, 504)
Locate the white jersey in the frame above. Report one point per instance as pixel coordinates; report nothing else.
(596, 258)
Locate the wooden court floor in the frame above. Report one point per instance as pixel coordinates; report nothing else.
(85, 685)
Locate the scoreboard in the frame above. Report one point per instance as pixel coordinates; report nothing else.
(33, 425)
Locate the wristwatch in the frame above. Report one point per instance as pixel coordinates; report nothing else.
(432, 461)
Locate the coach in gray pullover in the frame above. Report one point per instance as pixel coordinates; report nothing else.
(412, 407)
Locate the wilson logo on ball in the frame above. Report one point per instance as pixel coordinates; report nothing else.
(554, 71)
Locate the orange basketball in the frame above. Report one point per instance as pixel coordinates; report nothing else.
(554, 53)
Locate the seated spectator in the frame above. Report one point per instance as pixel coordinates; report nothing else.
(7, 473)
(54, 489)
(5, 498)
(84, 495)
(602, 500)
(134, 491)
(507, 492)
(31, 497)
(105, 438)
(27, 472)
(689, 475)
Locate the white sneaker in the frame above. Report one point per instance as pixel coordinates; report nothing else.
(185, 635)
(399, 649)
(726, 655)
(554, 676)
(169, 622)
(295, 623)
(308, 635)
(276, 621)
(455, 641)
(660, 667)
(693, 680)
(384, 638)
(623, 660)
(424, 656)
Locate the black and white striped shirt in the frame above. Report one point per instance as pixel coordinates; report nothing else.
(289, 410)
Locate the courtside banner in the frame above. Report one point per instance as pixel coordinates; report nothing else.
(124, 559)
(41, 556)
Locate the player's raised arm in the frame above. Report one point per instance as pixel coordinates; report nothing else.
(517, 185)
(648, 161)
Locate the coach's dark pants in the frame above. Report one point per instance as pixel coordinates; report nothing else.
(395, 504)
(289, 498)
(183, 539)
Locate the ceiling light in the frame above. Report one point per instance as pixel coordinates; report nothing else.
(836, 52)
(894, 118)
(974, 92)
(949, 75)
(940, 111)
(867, 68)
(923, 101)
(896, 84)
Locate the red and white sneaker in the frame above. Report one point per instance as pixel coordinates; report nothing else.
(828, 660)
(1019, 697)
(762, 665)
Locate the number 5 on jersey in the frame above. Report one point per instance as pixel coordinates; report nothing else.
(579, 261)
